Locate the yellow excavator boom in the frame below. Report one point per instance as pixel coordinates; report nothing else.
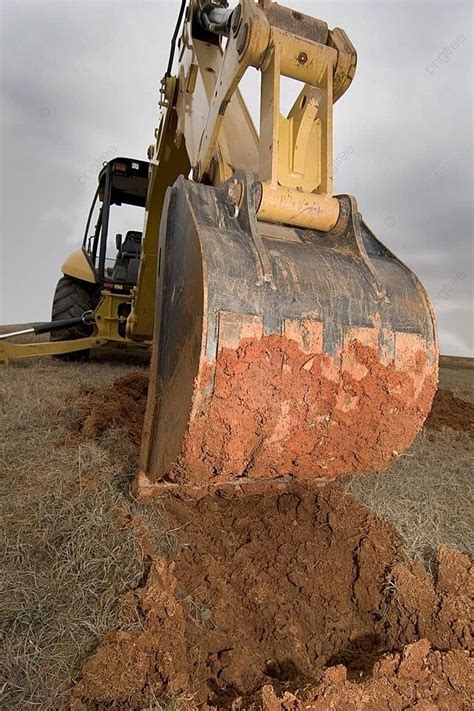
(288, 341)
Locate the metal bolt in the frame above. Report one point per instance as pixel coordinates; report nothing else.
(234, 191)
(242, 38)
(302, 58)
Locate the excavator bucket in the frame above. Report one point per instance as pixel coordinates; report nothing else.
(279, 351)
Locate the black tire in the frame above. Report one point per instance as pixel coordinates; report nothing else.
(71, 298)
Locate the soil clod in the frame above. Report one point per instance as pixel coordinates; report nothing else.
(452, 412)
(284, 599)
(120, 405)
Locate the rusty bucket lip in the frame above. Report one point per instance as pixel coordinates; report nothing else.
(143, 488)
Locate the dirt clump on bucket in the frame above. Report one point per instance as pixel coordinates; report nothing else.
(297, 592)
(272, 407)
(123, 404)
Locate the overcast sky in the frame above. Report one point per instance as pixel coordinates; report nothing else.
(80, 83)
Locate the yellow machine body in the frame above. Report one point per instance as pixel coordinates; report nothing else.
(108, 322)
(78, 266)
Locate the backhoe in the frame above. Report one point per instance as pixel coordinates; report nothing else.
(287, 340)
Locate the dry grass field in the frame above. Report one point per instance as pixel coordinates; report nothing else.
(73, 541)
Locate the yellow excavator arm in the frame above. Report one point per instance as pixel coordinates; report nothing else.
(287, 340)
(207, 128)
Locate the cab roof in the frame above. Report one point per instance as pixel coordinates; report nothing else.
(129, 181)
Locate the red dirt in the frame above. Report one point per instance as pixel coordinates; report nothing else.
(417, 678)
(126, 660)
(449, 411)
(271, 408)
(121, 405)
(283, 599)
(271, 590)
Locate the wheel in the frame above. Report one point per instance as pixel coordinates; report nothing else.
(71, 298)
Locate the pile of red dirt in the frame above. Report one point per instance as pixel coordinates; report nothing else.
(294, 592)
(450, 411)
(280, 600)
(121, 405)
(417, 678)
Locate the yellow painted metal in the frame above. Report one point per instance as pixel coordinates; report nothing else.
(244, 49)
(346, 61)
(294, 151)
(168, 161)
(207, 126)
(290, 206)
(78, 266)
(106, 331)
(229, 154)
(10, 351)
(107, 318)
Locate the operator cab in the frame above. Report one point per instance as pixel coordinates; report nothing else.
(122, 182)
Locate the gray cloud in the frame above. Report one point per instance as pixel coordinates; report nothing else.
(78, 78)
